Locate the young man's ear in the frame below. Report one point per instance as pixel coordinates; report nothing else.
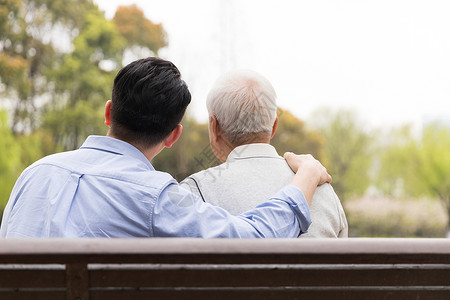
(274, 128)
(173, 136)
(108, 113)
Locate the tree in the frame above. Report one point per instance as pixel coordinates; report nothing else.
(8, 8)
(83, 80)
(398, 157)
(138, 30)
(58, 59)
(422, 164)
(11, 66)
(434, 164)
(347, 150)
(28, 49)
(18, 152)
(82, 84)
(9, 159)
(292, 135)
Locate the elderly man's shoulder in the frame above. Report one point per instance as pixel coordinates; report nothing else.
(326, 190)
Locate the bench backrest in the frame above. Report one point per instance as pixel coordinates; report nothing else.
(225, 269)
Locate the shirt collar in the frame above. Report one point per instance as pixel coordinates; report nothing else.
(113, 145)
(253, 150)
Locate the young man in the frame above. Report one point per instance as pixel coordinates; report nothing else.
(243, 119)
(108, 187)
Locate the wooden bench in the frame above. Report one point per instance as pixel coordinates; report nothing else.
(224, 269)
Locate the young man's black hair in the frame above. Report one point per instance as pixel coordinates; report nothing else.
(149, 99)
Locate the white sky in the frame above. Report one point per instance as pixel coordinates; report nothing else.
(389, 60)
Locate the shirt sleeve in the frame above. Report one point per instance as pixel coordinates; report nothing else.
(180, 213)
(191, 184)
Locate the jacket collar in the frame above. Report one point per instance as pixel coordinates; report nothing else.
(253, 150)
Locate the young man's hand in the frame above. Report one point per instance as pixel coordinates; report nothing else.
(309, 173)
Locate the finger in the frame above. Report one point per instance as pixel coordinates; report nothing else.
(288, 155)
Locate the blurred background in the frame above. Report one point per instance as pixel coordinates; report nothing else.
(364, 86)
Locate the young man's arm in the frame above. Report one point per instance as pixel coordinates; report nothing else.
(179, 213)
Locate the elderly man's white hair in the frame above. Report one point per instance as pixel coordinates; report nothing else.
(244, 103)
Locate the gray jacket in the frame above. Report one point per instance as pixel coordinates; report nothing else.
(255, 172)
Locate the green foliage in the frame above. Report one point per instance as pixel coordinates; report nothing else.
(434, 163)
(80, 72)
(422, 164)
(17, 153)
(9, 159)
(82, 86)
(98, 40)
(28, 51)
(398, 158)
(13, 73)
(56, 94)
(35, 146)
(34, 68)
(347, 148)
(432, 175)
(69, 126)
(12, 67)
(7, 8)
(69, 12)
(292, 135)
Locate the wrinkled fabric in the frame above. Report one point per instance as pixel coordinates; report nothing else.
(108, 188)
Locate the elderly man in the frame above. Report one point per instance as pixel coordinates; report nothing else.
(242, 109)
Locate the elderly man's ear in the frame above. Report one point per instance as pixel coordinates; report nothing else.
(274, 128)
(214, 128)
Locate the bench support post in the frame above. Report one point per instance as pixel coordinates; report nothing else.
(77, 281)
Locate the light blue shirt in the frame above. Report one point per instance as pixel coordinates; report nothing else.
(108, 188)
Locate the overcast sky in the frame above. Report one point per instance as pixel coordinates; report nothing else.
(389, 60)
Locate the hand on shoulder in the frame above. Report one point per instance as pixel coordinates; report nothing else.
(309, 173)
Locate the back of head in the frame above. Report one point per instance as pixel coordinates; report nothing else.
(244, 103)
(149, 99)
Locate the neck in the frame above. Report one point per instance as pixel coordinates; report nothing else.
(225, 148)
(149, 152)
(257, 138)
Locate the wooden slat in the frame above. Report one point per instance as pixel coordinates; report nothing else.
(285, 294)
(224, 251)
(272, 277)
(232, 258)
(213, 246)
(33, 294)
(32, 278)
